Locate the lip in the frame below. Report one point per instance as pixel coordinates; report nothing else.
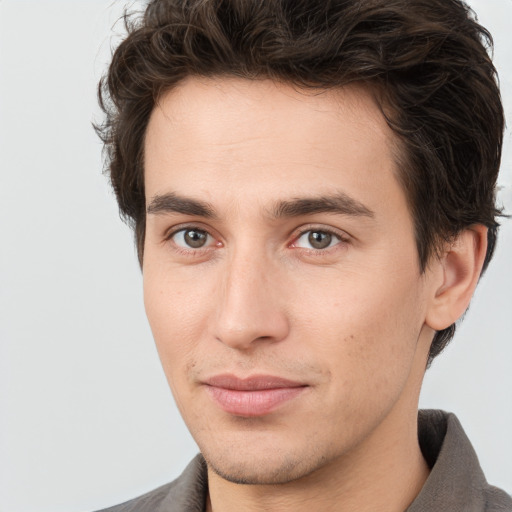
(253, 396)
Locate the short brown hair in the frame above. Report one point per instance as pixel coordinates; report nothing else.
(426, 60)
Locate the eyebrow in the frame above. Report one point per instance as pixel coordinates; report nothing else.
(339, 203)
(172, 203)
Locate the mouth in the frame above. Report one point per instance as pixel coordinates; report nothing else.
(257, 395)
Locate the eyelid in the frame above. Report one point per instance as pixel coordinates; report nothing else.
(182, 226)
(190, 226)
(343, 237)
(169, 233)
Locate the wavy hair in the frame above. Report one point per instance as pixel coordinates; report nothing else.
(426, 60)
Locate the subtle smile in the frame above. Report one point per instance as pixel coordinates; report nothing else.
(254, 396)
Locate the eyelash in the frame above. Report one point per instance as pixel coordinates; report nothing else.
(189, 251)
(342, 240)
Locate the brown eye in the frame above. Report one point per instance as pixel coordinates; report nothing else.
(195, 239)
(191, 238)
(319, 239)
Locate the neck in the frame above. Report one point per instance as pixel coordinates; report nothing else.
(385, 474)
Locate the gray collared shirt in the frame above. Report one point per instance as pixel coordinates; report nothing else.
(456, 482)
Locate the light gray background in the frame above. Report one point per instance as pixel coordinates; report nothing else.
(86, 419)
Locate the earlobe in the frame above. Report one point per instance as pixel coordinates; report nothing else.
(459, 268)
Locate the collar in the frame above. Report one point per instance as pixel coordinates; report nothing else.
(456, 481)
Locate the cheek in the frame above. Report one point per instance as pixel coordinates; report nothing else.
(364, 329)
(177, 311)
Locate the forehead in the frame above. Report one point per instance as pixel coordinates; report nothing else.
(259, 136)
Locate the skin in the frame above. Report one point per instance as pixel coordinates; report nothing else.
(352, 322)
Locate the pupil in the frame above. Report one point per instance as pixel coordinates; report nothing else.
(195, 238)
(319, 239)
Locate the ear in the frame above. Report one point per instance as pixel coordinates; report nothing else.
(456, 276)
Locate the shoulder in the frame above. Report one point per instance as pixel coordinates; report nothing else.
(146, 502)
(497, 500)
(456, 481)
(186, 493)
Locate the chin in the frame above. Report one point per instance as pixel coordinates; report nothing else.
(271, 468)
(259, 473)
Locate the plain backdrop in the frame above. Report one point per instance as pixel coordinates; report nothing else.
(86, 419)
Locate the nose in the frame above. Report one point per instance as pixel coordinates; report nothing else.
(250, 308)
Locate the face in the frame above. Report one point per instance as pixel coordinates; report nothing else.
(281, 275)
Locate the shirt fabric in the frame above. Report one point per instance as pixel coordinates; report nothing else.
(456, 482)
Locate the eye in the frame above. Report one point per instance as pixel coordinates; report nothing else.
(317, 239)
(191, 238)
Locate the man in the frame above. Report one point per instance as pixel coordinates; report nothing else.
(312, 188)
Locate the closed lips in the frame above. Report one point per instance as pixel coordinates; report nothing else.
(253, 396)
